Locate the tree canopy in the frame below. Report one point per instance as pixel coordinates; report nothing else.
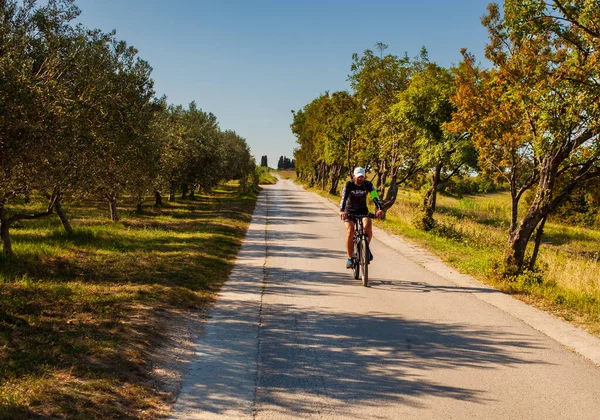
(79, 117)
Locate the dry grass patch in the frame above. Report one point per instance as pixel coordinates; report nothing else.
(287, 174)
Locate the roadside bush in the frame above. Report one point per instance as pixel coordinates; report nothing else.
(423, 221)
(265, 177)
(470, 185)
(580, 209)
(449, 229)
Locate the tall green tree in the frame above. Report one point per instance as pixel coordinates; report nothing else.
(489, 109)
(376, 82)
(123, 150)
(201, 146)
(237, 163)
(310, 125)
(425, 107)
(264, 161)
(546, 59)
(343, 117)
(32, 112)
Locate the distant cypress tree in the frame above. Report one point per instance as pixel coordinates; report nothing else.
(285, 163)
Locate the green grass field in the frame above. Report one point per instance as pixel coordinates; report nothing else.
(80, 314)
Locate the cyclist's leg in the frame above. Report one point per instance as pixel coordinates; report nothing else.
(369, 231)
(349, 237)
(368, 228)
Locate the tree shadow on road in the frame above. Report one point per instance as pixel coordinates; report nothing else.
(311, 360)
(354, 360)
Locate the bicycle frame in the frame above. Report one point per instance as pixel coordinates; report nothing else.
(361, 248)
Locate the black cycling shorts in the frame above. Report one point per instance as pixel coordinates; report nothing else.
(352, 214)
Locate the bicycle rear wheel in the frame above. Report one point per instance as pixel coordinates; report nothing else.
(364, 261)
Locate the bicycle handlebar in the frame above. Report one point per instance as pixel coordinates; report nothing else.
(361, 216)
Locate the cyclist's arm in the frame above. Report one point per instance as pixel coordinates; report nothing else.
(344, 198)
(376, 198)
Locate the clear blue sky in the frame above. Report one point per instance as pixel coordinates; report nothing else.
(250, 62)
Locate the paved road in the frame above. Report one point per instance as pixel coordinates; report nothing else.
(293, 335)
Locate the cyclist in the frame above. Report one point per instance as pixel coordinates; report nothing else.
(354, 201)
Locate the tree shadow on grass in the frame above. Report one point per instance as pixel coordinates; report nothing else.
(477, 216)
(564, 237)
(189, 261)
(71, 368)
(143, 251)
(83, 310)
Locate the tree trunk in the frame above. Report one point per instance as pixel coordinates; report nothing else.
(392, 192)
(157, 198)
(349, 155)
(430, 199)
(63, 217)
(538, 241)
(323, 176)
(382, 179)
(391, 195)
(193, 192)
(545, 201)
(335, 175)
(172, 192)
(514, 212)
(184, 191)
(139, 203)
(334, 186)
(539, 209)
(518, 240)
(4, 233)
(244, 183)
(112, 203)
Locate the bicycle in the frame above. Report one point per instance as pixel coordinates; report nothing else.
(361, 255)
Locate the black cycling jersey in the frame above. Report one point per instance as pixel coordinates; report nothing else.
(354, 197)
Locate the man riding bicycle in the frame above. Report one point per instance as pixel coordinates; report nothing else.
(354, 201)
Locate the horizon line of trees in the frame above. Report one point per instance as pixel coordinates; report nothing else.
(79, 117)
(285, 163)
(532, 120)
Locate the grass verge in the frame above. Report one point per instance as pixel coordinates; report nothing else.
(265, 177)
(287, 174)
(80, 315)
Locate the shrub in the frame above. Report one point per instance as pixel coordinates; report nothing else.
(462, 185)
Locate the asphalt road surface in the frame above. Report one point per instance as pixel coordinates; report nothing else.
(293, 335)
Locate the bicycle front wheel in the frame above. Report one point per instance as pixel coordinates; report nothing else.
(364, 261)
(356, 261)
